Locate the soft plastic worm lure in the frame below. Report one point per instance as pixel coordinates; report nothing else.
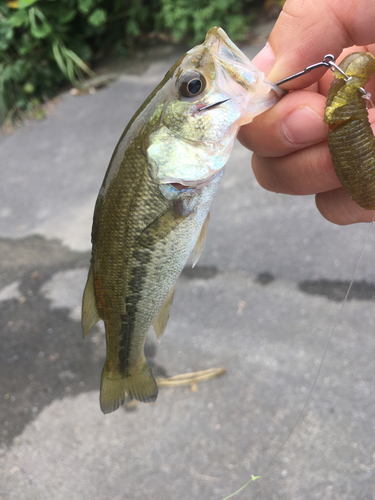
(350, 137)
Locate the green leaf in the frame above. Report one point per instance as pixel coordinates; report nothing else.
(56, 49)
(132, 28)
(41, 31)
(15, 72)
(70, 69)
(6, 35)
(69, 63)
(19, 18)
(98, 17)
(41, 28)
(28, 88)
(85, 6)
(66, 17)
(23, 4)
(28, 45)
(78, 61)
(3, 44)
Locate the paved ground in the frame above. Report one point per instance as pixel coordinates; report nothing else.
(262, 301)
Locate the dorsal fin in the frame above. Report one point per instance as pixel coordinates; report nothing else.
(198, 249)
(90, 315)
(161, 320)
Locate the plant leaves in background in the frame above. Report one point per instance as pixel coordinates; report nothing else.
(98, 17)
(45, 43)
(23, 4)
(85, 6)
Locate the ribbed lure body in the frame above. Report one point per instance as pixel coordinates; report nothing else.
(350, 137)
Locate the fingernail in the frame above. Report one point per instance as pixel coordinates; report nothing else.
(304, 126)
(265, 59)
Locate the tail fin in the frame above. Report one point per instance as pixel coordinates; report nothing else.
(138, 383)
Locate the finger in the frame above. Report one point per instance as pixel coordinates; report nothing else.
(313, 29)
(337, 207)
(293, 123)
(307, 171)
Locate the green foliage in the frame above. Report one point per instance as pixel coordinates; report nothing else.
(46, 43)
(195, 17)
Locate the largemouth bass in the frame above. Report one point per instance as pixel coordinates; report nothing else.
(153, 207)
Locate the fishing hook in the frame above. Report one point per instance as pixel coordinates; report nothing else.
(211, 106)
(329, 61)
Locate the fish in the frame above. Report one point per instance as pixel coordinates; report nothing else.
(153, 207)
(350, 138)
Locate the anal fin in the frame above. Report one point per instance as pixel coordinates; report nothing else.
(161, 320)
(199, 246)
(90, 315)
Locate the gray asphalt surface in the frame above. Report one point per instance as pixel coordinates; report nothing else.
(262, 302)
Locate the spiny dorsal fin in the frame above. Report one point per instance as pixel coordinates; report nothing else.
(161, 320)
(90, 314)
(198, 249)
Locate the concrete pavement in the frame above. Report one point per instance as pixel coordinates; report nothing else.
(262, 302)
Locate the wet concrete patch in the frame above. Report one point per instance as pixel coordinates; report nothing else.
(26, 253)
(264, 278)
(336, 290)
(65, 290)
(43, 355)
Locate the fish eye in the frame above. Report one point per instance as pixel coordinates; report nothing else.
(192, 84)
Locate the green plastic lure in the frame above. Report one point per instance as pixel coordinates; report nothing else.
(350, 137)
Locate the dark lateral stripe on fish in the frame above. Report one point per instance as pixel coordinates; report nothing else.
(124, 345)
(136, 284)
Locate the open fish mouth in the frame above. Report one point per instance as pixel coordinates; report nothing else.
(236, 63)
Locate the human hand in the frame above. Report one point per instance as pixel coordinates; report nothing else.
(291, 153)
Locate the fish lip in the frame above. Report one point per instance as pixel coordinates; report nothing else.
(226, 52)
(218, 41)
(217, 35)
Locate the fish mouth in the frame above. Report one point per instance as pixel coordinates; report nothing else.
(218, 41)
(237, 65)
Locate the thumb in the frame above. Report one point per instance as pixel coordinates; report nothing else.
(305, 31)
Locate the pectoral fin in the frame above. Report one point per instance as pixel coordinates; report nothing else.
(198, 249)
(159, 228)
(90, 315)
(161, 320)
